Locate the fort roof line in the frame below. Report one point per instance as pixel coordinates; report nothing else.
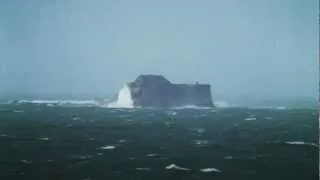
(161, 78)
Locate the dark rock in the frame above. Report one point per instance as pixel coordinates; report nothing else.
(157, 91)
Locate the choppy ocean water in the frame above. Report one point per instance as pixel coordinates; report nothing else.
(38, 141)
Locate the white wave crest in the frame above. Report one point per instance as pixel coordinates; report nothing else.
(124, 99)
(191, 107)
(301, 143)
(62, 102)
(175, 167)
(270, 107)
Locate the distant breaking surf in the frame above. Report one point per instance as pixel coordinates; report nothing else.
(61, 102)
(124, 101)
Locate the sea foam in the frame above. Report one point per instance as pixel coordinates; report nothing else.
(124, 99)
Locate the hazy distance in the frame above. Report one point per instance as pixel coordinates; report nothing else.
(261, 49)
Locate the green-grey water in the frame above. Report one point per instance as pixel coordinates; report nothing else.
(90, 143)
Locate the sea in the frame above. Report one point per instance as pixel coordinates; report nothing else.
(78, 141)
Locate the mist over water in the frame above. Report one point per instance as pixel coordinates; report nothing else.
(90, 48)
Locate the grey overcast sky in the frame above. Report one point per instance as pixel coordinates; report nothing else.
(262, 48)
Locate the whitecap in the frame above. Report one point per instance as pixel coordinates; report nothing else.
(26, 161)
(270, 107)
(81, 157)
(172, 113)
(296, 142)
(169, 123)
(132, 158)
(44, 138)
(301, 143)
(175, 167)
(152, 155)
(107, 147)
(228, 157)
(18, 111)
(191, 107)
(62, 102)
(201, 142)
(84, 157)
(76, 118)
(122, 141)
(207, 170)
(250, 119)
(199, 130)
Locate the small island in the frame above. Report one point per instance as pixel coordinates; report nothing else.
(157, 91)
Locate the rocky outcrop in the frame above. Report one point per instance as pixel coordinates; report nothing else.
(157, 91)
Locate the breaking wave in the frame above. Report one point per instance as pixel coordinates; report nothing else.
(225, 104)
(270, 107)
(218, 104)
(124, 99)
(62, 102)
(191, 107)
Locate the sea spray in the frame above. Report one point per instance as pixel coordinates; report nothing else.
(124, 99)
(221, 104)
